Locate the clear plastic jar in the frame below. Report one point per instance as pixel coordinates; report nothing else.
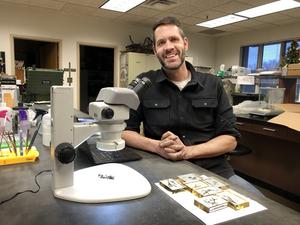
(46, 127)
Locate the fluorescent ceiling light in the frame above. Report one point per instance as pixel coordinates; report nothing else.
(269, 8)
(121, 5)
(221, 21)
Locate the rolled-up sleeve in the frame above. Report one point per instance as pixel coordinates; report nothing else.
(225, 119)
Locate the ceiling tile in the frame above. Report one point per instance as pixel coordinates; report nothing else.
(209, 15)
(232, 7)
(271, 18)
(17, 1)
(90, 3)
(78, 9)
(242, 29)
(189, 12)
(107, 13)
(249, 23)
(49, 4)
(186, 10)
(292, 12)
(228, 27)
(256, 2)
(287, 21)
(143, 11)
(191, 20)
(194, 29)
(162, 7)
(207, 4)
(167, 13)
(263, 26)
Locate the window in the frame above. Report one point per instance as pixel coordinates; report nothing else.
(297, 91)
(266, 55)
(252, 58)
(271, 56)
(288, 44)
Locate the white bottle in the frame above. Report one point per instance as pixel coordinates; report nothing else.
(46, 127)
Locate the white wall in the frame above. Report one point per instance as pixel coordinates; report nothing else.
(228, 47)
(38, 23)
(202, 49)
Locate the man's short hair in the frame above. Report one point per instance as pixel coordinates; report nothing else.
(169, 20)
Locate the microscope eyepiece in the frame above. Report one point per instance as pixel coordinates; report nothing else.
(139, 86)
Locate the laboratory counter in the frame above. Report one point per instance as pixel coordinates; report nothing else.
(274, 160)
(156, 208)
(261, 126)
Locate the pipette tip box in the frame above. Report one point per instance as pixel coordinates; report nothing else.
(8, 157)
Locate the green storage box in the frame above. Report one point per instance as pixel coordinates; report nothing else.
(39, 82)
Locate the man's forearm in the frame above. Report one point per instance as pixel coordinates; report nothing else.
(214, 147)
(139, 141)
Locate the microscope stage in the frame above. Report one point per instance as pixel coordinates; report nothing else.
(105, 183)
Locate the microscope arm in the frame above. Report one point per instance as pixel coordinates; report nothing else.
(82, 131)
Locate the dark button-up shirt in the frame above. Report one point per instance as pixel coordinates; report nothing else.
(197, 113)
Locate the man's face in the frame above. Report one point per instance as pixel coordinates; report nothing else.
(170, 46)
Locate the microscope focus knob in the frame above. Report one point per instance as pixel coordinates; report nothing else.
(65, 153)
(107, 113)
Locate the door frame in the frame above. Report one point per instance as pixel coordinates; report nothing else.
(33, 38)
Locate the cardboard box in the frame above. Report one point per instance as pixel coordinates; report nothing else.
(289, 118)
(10, 95)
(20, 75)
(293, 69)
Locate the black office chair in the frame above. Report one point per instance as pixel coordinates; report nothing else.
(241, 150)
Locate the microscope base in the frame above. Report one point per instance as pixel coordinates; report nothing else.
(105, 183)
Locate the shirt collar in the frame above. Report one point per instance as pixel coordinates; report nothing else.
(195, 79)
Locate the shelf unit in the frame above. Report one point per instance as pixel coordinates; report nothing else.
(287, 82)
(290, 84)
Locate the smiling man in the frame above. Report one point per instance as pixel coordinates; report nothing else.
(170, 49)
(186, 114)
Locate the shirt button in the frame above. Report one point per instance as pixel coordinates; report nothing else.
(155, 104)
(205, 103)
(183, 136)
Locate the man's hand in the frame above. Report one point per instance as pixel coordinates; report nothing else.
(171, 147)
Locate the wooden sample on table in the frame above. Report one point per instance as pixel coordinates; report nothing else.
(172, 185)
(211, 203)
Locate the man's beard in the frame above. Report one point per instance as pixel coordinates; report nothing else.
(166, 67)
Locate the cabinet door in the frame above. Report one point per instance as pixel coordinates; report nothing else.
(136, 65)
(139, 63)
(152, 63)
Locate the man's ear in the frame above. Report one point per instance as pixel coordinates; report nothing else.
(154, 50)
(186, 43)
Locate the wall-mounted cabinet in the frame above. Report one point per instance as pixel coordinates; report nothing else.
(290, 83)
(133, 64)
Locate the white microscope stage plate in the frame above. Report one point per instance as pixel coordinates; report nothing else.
(105, 183)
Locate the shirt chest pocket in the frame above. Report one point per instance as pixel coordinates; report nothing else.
(157, 112)
(203, 110)
(205, 103)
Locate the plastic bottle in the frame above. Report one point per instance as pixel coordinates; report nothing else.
(6, 114)
(46, 127)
